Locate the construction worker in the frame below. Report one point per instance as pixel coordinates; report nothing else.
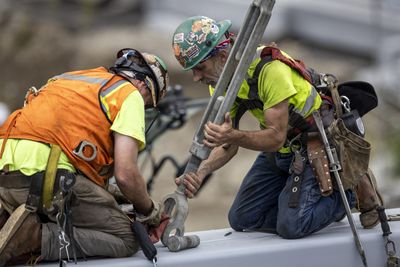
(280, 192)
(81, 128)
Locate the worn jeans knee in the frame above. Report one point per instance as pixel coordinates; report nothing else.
(292, 229)
(234, 221)
(243, 216)
(256, 204)
(314, 211)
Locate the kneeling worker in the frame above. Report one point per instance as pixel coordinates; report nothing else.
(72, 135)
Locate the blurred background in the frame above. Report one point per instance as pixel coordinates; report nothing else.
(353, 39)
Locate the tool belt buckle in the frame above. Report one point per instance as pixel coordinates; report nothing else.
(32, 203)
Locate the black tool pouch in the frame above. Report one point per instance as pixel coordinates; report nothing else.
(34, 200)
(64, 181)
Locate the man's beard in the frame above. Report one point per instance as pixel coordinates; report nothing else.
(219, 67)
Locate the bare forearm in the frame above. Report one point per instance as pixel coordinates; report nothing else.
(268, 140)
(218, 158)
(127, 175)
(134, 189)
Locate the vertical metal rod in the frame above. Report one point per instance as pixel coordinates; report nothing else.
(335, 166)
(232, 75)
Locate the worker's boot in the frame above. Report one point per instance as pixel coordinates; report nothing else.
(20, 237)
(368, 199)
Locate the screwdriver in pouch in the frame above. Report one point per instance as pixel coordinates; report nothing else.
(145, 243)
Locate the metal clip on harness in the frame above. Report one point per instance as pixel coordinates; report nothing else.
(232, 76)
(31, 91)
(80, 148)
(392, 259)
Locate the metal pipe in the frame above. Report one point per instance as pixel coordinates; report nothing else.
(335, 167)
(232, 76)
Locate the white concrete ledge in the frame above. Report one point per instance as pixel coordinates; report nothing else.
(334, 246)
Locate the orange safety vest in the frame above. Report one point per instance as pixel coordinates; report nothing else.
(71, 108)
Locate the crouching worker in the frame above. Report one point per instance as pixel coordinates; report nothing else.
(60, 149)
(288, 190)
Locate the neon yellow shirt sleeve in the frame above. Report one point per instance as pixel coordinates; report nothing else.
(130, 120)
(275, 83)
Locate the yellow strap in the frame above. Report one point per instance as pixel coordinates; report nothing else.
(50, 176)
(336, 101)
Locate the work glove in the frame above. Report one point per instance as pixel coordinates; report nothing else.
(155, 233)
(154, 218)
(156, 222)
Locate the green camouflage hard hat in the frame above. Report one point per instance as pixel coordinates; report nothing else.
(195, 38)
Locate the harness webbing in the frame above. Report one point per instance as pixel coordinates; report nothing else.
(253, 101)
(296, 116)
(50, 176)
(298, 65)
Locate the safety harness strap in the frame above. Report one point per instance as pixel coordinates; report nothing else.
(14, 179)
(245, 105)
(298, 65)
(35, 191)
(296, 120)
(253, 81)
(50, 176)
(336, 101)
(253, 101)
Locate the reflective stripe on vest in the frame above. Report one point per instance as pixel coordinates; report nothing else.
(107, 93)
(83, 78)
(93, 80)
(309, 103)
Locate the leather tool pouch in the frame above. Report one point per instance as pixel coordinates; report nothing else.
(353, 152)
(319, 163)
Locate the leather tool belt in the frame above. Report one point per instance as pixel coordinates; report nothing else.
(319, 163)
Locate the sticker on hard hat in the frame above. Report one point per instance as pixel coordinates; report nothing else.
(192, 51)
(179, 38)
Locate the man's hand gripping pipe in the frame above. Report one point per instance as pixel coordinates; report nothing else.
(232, 76)
(335, 168)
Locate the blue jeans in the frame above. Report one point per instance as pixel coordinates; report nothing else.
(262, 200)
